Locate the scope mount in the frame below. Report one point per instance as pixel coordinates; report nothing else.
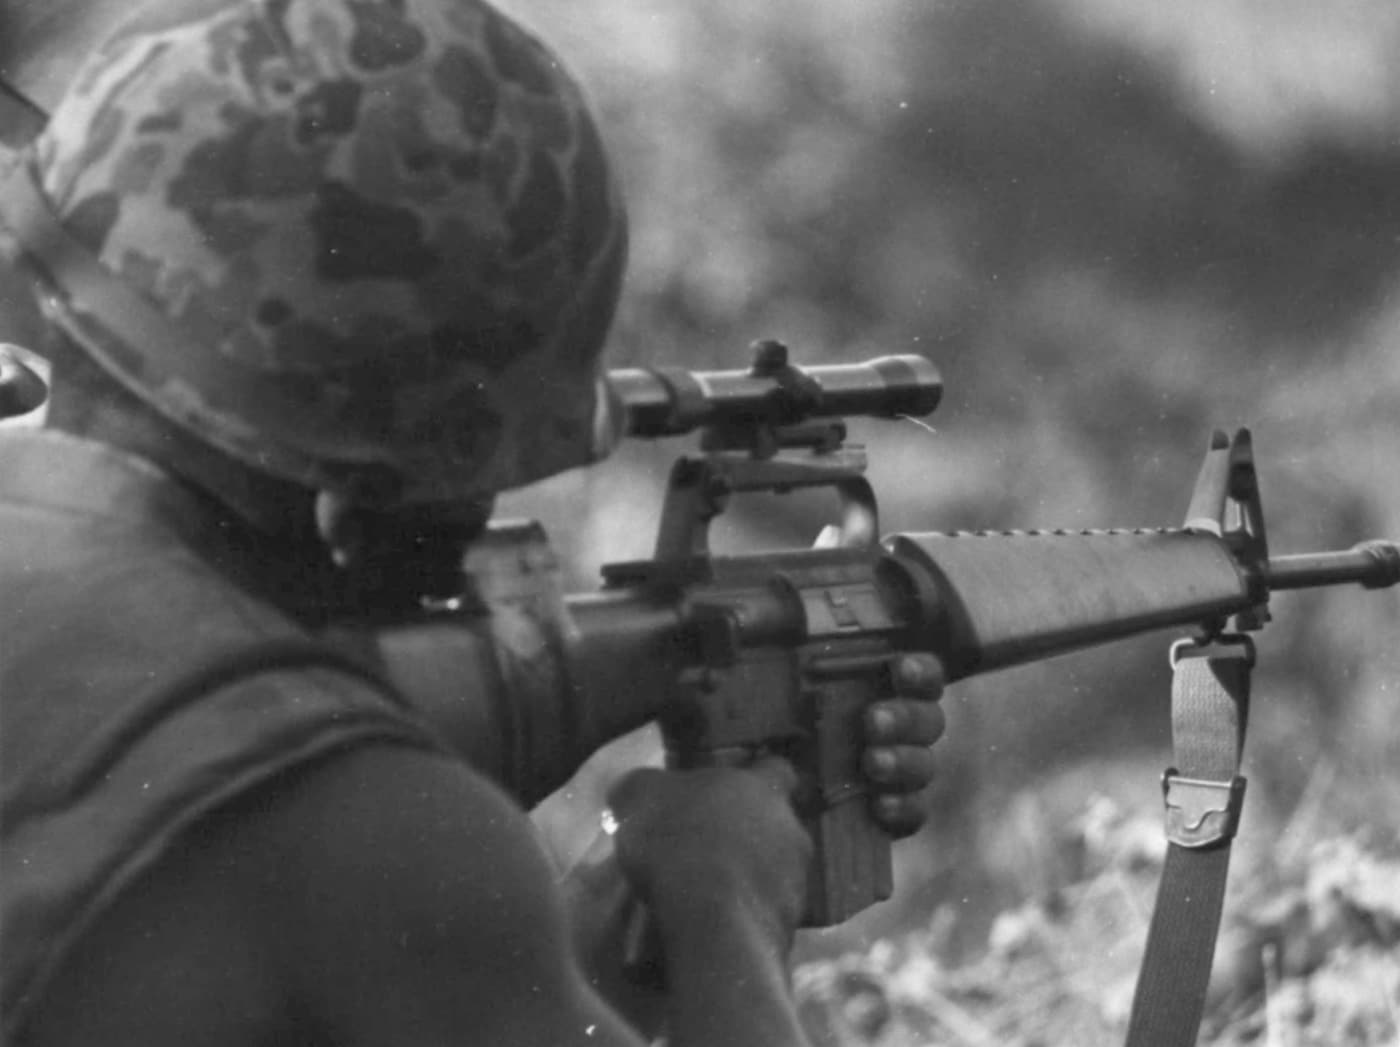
(785, 445)
(790, 417)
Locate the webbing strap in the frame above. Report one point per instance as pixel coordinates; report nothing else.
(1203, 793)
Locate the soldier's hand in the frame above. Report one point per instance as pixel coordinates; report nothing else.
(689, 838)
(899, 735)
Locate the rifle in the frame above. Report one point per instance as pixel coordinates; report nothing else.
(783, 651)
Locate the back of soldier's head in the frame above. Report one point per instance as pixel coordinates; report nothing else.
(367, 246)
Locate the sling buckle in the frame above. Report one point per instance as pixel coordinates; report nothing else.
(1200, 813)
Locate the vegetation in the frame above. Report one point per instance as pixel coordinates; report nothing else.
(1308, 956)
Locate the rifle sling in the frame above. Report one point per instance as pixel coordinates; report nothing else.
(1203, 794)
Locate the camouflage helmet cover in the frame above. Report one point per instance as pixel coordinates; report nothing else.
(385, 232)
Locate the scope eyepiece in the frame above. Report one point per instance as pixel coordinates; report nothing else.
(666, 401)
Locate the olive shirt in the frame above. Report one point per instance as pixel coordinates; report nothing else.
(147, 675)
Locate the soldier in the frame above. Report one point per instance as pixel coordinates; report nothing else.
(323, 277)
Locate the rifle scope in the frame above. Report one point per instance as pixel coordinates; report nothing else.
(665, 401)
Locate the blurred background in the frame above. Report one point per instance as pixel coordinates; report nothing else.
(1114, 225)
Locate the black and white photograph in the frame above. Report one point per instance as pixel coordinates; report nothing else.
(656, 523)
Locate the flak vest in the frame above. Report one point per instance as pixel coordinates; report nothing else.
(140, 687)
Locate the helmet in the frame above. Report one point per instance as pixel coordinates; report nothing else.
(369, 246)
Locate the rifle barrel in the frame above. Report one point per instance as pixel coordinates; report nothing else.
(1376, 565)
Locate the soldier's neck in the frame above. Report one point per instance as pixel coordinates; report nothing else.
(274, 508)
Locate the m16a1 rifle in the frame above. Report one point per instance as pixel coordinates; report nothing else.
(739, 654)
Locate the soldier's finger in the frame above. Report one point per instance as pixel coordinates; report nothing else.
(899, 815)
(918, 674)
(904, 721)
(902, 768)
